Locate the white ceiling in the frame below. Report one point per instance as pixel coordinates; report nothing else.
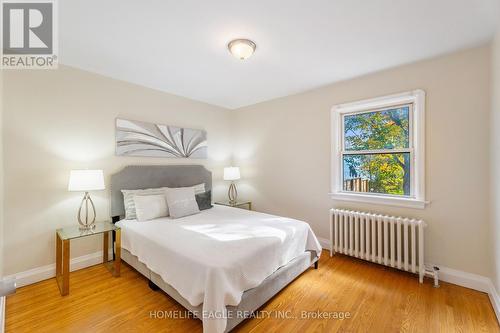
(179, 46)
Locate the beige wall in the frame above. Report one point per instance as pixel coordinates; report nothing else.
(55, 121)
(495, 161)
(283, 147)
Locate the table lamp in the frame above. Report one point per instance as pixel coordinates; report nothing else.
(232, 174)
(85, 181)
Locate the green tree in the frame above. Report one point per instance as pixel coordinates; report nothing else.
(381, 130)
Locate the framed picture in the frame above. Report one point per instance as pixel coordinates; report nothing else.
(137, 138)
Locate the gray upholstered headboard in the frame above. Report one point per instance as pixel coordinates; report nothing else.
(152, 176)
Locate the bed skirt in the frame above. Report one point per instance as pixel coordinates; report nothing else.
(251, 299)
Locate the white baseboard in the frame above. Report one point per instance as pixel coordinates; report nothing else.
(49, 271)
(464, 279)
(494, 299)
(2, 314)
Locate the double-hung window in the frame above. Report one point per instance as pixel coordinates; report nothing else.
(378, 150)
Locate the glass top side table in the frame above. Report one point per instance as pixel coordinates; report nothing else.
(65, 235)
(236, 204)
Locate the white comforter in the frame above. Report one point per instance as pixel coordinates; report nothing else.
(214, 256)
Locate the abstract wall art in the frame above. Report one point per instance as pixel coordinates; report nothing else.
(137, 138)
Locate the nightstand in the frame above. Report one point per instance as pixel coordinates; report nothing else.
(65, 235)
(238, 204)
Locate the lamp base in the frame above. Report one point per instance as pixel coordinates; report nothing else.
(232, 193)
(87, 227)
(86, 223)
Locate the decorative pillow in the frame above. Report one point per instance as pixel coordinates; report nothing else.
(204, 200)
(181, 202)
(128, 199)
(148, 207)
(199, 189)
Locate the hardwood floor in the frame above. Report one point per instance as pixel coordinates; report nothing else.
(377, 298)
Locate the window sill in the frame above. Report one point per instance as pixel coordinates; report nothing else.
(379, 200)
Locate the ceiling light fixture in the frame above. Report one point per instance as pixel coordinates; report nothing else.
(241, 48)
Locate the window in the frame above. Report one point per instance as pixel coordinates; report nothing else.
(378, 150)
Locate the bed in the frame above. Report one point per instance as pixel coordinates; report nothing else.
(221, 264)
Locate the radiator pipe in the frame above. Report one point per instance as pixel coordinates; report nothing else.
(433, 273)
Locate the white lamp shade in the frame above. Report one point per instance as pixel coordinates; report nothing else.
(86, 180)
(231, 173)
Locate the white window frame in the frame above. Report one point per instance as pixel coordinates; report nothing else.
(417, 149)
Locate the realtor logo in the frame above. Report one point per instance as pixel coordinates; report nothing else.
(29, 34)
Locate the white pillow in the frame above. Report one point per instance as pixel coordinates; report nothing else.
(198, 189)
(128, 199)
(181, 202)
(149, 207)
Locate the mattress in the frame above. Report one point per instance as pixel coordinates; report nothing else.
(211, 258)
